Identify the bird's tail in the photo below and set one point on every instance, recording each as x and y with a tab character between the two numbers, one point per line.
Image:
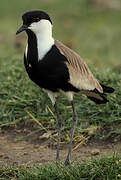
97	97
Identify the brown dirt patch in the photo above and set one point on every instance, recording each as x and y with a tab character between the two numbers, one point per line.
35	151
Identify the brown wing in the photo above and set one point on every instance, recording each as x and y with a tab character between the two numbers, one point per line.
80	75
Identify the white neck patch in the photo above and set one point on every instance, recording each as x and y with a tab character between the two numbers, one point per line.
43	32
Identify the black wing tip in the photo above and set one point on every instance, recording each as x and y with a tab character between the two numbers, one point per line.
107	89
102	99
99	100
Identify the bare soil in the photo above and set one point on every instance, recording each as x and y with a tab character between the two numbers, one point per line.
32	150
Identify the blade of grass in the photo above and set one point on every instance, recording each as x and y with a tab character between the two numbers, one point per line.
80	144
36	120
51	112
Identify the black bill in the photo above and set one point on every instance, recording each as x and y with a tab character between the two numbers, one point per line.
22	28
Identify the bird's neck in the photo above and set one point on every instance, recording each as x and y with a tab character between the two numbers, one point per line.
44	43
40	42
31	52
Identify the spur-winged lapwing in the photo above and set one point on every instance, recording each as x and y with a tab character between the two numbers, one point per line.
56	68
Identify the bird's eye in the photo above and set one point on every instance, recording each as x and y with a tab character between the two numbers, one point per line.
36	19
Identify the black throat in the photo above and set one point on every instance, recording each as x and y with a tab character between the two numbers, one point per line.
32	54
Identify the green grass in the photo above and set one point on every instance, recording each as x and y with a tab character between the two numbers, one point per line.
93	33
19	93
104	168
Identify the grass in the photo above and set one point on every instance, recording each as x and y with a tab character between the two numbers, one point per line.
15	98
104	168
100	35
95	34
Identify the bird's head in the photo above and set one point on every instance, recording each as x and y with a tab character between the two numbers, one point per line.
36	21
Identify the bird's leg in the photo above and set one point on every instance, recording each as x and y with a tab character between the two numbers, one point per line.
75	117
59	130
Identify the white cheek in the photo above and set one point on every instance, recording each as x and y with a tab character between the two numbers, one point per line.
40	27
34	27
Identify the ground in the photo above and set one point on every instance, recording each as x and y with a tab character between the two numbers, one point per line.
33	150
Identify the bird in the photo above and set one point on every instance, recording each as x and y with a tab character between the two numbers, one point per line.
56	68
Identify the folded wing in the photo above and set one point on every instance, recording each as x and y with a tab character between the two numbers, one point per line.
80	75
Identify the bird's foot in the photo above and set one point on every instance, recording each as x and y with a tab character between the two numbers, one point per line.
67	162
